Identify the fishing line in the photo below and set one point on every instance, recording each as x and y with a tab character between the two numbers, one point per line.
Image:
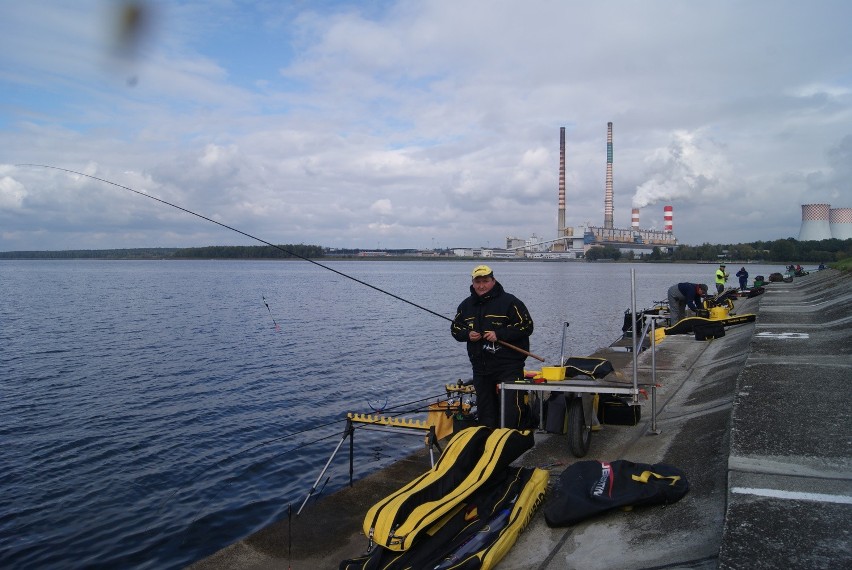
232	478
227	481
294	449
221	462
294	254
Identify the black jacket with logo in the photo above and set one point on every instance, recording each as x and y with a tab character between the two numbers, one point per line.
496	311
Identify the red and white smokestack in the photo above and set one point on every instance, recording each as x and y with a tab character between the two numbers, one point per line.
635	219
667	219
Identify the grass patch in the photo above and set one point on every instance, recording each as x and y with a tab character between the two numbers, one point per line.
843	264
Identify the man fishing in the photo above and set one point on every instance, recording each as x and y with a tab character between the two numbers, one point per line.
488	320
742	275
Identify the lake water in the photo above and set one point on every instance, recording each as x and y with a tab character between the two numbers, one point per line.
152	414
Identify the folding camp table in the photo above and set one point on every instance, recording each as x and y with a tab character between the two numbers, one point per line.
579	390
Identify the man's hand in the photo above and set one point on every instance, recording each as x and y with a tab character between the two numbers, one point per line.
490	336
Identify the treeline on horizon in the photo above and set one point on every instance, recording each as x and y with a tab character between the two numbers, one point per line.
209	252
783	250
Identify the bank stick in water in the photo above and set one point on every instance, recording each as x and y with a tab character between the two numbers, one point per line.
277	327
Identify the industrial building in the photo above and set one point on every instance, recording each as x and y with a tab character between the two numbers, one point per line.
819	222
572	245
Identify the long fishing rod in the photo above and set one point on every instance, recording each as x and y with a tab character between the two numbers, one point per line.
233	229
263	241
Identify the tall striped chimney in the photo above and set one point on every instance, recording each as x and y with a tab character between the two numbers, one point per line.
668	215
560	230
634	222
815	224
608	196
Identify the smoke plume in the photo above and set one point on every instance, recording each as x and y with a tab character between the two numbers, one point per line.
690	166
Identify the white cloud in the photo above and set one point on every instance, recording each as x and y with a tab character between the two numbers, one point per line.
336	124
382	207
12	193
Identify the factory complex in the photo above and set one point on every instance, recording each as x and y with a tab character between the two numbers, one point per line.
573	243
819	222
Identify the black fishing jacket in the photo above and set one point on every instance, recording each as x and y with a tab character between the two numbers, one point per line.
496	311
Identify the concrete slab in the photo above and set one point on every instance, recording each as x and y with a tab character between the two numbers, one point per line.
790	466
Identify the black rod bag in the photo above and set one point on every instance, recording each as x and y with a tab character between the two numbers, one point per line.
589	488
587	366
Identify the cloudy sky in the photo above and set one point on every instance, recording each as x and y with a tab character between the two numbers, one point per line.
417	123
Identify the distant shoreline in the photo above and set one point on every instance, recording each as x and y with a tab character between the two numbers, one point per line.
302	252
385	258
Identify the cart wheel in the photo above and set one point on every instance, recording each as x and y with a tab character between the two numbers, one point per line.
579	432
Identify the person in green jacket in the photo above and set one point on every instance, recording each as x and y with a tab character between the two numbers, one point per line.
721	278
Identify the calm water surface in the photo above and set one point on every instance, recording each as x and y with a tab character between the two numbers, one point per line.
152	414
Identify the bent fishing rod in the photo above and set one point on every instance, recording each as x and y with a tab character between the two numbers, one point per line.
263	241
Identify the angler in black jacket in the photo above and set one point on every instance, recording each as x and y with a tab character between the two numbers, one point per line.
487	316
683	295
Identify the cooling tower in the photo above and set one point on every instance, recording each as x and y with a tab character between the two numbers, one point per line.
668	215
608	208
815	224
840	223
634	222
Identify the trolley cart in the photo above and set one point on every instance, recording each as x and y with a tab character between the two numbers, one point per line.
579	394
579	391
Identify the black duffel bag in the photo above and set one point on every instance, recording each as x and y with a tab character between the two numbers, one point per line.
589	488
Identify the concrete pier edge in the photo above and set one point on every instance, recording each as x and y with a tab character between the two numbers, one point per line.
759	420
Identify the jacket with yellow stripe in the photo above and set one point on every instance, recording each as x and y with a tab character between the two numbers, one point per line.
496	311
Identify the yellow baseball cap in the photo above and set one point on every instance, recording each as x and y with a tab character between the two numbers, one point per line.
481	271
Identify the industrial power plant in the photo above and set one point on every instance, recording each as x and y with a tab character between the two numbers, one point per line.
819	222
571	244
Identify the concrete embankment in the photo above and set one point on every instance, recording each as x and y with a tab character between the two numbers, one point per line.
790	462
757	419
